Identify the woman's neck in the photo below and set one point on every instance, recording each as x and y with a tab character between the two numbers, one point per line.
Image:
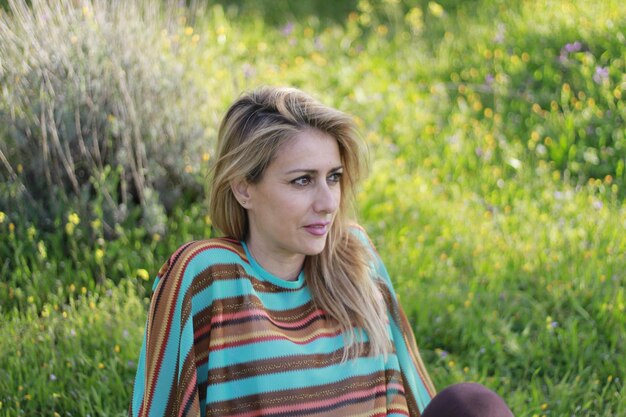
283	267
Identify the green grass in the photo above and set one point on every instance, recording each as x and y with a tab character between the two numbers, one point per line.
496	199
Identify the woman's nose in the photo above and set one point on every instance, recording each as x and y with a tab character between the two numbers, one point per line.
327	198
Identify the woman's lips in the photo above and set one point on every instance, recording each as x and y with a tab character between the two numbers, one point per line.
317	229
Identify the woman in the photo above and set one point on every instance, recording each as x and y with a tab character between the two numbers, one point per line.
292	313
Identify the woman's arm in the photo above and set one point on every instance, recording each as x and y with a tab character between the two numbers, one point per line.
166	380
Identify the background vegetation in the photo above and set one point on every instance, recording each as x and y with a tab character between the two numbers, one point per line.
496	194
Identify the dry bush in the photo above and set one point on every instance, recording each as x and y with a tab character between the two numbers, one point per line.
95	100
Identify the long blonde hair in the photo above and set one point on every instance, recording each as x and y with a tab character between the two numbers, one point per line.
250	135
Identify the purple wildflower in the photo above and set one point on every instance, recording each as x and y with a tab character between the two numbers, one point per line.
489	79
443	354
569	48
499	37
248	70
53	377
573	47
601	74
287	29
554	324
317	42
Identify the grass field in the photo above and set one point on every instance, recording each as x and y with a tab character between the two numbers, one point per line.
495	196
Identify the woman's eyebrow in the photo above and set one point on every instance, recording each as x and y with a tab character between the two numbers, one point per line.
312	171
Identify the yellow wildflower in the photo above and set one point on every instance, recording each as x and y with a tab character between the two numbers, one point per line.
95	224
143	274
435	9
73	218
2	217
41	248
99	254
415	19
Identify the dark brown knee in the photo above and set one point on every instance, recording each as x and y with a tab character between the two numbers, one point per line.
467	400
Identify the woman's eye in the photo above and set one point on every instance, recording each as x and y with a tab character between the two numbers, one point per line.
302	181
335	177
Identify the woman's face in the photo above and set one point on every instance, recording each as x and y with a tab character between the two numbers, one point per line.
291	209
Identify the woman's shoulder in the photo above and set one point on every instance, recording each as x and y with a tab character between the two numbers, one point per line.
215	246
364	239
377	266
202	254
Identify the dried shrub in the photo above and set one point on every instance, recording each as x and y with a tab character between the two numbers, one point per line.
95	84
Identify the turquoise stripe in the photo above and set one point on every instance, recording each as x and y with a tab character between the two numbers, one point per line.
281	301
242	287
186	343
411	376
140	377
305	378
168	365
215	256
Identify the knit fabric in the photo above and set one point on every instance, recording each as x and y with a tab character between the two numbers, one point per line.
226	338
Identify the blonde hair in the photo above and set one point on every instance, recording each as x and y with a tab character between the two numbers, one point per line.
250	135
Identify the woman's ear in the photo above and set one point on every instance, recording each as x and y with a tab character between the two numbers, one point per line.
241	191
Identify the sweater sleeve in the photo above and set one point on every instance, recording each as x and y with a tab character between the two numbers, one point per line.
418	386
166	380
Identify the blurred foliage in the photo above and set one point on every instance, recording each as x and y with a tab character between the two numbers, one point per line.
280	12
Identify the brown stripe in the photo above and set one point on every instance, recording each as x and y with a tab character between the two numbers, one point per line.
250	302
297	396
273	365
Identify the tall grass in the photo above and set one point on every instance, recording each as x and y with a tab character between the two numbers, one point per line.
495	197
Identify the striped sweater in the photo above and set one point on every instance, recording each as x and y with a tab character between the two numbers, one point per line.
225	338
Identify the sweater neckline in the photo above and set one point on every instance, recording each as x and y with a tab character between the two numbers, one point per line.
268	276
